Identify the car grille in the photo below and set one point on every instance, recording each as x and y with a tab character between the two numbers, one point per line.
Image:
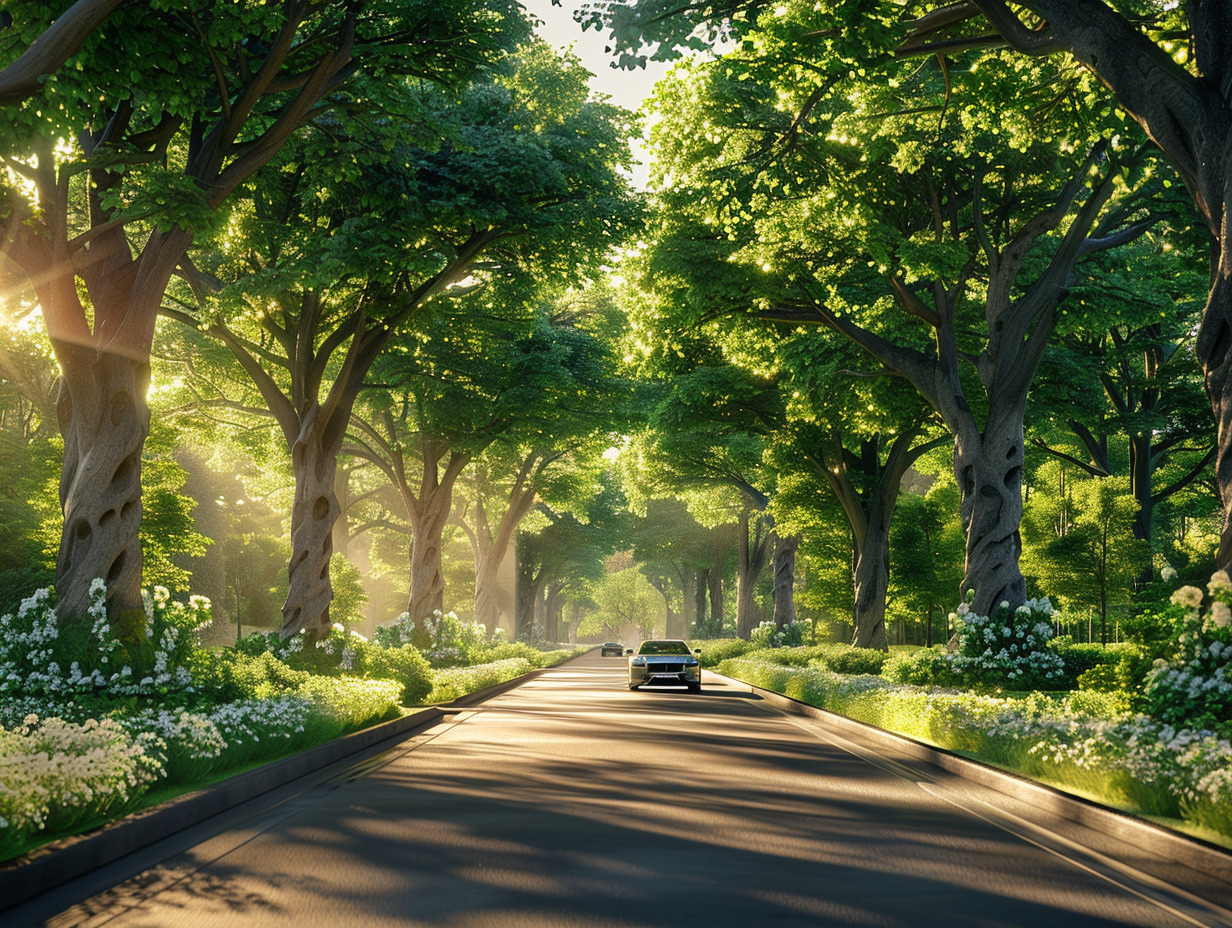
664	667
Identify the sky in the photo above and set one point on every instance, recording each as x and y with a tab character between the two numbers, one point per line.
626	88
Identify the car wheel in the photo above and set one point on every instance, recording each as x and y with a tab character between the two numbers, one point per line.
695	687
633	686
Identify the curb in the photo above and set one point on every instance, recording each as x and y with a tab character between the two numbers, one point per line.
1205	858
58	862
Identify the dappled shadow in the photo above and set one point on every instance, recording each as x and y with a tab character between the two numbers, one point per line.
571	801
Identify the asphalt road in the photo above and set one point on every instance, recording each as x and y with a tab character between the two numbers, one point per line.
571	801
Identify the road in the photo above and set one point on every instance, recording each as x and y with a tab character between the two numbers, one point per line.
571	801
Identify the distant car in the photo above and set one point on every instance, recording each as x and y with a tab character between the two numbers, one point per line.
665	662
613	648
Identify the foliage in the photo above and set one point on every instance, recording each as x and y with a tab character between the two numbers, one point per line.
231	674
769	635
1194	685
716	650
56	774
624	599
347	606
925	667
453	682
44	658
1008	648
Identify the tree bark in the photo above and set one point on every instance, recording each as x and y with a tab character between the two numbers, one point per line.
491	547
785	579
314	460
872	579
751	559
427	577
715	583
688	605
988	469
104	420
700	588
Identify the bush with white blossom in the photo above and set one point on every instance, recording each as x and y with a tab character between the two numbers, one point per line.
1008	648
45	657
769	635
1193	687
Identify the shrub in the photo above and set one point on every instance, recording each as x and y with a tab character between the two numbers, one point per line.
41	656
790	657
716	650
452	682
843	658
926	667
1192	687
56	774
769	635
229	674
1008	648
404	664
1086	740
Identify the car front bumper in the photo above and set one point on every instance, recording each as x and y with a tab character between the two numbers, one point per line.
665	675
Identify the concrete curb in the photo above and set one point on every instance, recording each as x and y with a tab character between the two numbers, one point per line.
1202	856
58	862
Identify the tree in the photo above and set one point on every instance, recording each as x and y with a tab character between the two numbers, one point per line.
1166	64
340	263
1119	394
908	236
1080	536
123	157
623	599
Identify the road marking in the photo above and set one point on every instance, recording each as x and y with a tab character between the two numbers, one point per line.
1158	892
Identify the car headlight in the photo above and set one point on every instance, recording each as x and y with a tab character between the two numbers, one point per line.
691	663
638	662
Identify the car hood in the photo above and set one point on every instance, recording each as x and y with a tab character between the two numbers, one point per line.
665	658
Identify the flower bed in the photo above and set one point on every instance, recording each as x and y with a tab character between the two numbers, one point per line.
1085	741
91	726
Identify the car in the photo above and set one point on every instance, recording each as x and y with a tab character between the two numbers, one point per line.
613	648
665	662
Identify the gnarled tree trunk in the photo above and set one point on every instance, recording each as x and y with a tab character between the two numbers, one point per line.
104	420
427	578
988	468
314	460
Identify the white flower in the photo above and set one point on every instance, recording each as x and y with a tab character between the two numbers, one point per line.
1219	581
1188	596
1221	615
963	609
1167	573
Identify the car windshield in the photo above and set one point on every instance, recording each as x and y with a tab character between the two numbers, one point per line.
664	647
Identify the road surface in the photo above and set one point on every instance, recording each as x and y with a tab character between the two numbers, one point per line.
571	801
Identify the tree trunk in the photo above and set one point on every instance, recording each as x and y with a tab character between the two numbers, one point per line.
427	577
751	560
785	580
988	469
700	587
529	588
872	578
487	611
104	420
312	524
539	616
715	583
688	600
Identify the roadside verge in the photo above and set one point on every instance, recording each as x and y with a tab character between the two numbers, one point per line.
1205	858
64	860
